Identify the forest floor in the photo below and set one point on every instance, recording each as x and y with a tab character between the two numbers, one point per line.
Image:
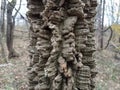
108	77
13	75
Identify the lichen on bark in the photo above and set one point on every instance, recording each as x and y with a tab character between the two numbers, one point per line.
62	44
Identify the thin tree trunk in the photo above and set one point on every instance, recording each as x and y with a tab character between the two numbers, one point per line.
2	29
3	8
2	49
118	14
62	44
10	29
102	29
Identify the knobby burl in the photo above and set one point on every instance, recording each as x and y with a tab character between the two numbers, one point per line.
61	44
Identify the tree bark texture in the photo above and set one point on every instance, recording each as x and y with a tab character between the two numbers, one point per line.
61	44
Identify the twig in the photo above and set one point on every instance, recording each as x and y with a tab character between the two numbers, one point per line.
114	45
5	65
109	28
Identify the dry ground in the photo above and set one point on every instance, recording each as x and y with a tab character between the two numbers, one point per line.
14	77
108	77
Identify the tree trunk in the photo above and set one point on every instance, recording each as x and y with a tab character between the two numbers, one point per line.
2	29
10	29
62	44
3	6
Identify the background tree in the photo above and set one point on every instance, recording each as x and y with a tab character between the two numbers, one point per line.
107	16
3	9
62	44
11	27
2	28
100	23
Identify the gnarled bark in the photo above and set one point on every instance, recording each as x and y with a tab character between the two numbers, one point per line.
62	44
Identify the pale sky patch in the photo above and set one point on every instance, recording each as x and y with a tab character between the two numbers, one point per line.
10	0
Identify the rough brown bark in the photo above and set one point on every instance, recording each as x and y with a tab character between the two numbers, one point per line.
62	44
